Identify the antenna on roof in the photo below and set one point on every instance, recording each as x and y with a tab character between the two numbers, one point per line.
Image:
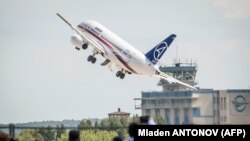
176	51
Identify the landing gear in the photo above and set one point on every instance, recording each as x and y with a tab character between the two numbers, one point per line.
120	74
77	48
91	59
85	46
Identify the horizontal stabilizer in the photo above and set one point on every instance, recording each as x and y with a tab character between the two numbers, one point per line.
171	80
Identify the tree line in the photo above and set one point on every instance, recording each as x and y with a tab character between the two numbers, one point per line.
102	130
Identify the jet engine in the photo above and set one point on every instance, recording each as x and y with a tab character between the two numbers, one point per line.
77	41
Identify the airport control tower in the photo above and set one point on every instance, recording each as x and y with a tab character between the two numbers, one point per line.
179	105
185	72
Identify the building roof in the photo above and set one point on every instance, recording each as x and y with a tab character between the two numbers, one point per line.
180	68
119	113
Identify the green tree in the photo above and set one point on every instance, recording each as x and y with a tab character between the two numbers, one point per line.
64	137
96	125
159	120
122	133
135	118
100	135
85	124
36	135
59	131
48	134
89	123
124	121
114	122
104	123
25	135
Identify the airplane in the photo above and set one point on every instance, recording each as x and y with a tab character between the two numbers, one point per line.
117	51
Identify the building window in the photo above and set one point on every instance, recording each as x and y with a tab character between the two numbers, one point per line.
153	102
167	116
148	112
176	116
162	101
167	101
181	101
196	112
221	103
225	107
157	112
143	102
186	116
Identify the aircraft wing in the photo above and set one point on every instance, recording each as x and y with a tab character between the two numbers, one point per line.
170	79
84	37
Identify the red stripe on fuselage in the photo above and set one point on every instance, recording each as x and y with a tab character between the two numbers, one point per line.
110	47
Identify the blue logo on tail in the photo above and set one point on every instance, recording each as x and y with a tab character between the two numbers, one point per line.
159	50
155	54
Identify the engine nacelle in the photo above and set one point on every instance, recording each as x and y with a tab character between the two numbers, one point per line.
76	40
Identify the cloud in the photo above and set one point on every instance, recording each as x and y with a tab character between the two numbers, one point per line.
234	9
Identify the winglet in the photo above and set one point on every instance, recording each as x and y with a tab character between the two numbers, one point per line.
84	37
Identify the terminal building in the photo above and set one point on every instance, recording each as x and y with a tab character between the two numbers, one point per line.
180	105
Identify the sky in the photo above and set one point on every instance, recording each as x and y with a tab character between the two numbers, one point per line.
42	76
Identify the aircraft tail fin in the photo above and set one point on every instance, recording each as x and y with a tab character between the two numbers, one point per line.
156	53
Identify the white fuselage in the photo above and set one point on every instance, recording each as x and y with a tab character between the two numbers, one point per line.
124	55
117	51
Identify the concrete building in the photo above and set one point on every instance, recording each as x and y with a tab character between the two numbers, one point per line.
178	105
